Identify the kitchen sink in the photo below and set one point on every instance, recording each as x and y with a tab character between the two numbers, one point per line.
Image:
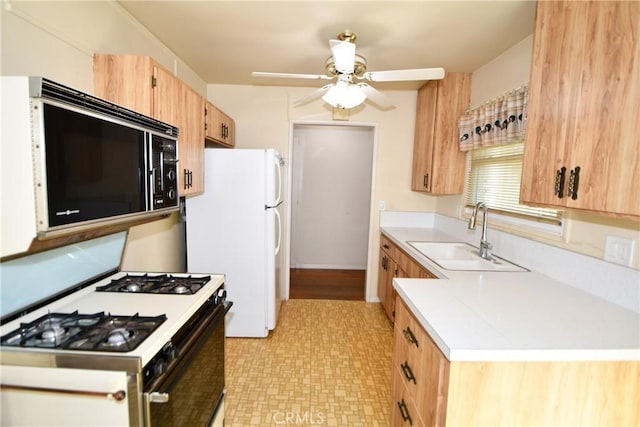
462	257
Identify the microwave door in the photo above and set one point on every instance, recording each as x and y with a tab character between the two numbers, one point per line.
93	167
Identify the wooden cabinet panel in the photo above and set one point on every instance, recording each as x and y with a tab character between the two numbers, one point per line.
142	85
219	127
420	367
395	263
403	410
584	106
126	80
438	163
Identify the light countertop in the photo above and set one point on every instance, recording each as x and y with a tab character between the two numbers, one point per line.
512	316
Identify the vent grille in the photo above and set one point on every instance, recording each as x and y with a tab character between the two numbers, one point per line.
51	90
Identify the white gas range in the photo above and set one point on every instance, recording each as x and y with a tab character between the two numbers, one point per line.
131	349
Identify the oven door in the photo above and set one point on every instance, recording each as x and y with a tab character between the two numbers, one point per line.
193	388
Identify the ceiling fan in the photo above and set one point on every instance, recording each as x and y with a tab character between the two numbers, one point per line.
350	71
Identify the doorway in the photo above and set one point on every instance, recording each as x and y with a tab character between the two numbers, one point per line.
330	210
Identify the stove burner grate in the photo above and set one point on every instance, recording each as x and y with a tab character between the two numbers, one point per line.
91	332
158	284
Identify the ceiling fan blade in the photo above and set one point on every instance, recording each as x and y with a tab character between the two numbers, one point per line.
404	75
291	76
376	96
344	55
313	95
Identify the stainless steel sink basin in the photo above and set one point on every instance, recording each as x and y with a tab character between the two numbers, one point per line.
462	257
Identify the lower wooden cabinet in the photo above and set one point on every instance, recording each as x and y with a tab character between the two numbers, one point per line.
395	263
420	373
429	390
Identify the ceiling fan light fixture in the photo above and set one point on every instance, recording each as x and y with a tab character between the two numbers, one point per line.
344	95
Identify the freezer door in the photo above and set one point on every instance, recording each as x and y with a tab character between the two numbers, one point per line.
230	231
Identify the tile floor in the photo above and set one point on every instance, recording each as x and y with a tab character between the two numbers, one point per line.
327	363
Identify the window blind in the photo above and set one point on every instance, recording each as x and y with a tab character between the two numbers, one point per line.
493	177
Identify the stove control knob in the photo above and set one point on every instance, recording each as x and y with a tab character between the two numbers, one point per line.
220	297
160	367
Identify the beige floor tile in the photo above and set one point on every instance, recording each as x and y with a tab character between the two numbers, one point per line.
327	363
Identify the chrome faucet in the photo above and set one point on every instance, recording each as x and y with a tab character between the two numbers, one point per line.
485	246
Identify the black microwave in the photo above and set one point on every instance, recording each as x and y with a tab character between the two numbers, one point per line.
96	162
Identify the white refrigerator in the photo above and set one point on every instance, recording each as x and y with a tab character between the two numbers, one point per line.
235	228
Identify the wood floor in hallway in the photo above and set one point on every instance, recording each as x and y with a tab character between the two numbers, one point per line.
326	363
309	283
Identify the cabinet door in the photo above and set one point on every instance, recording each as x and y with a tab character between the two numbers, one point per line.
584	107
177	104
383	277
438	163
219	127
424	137
192	135
126	80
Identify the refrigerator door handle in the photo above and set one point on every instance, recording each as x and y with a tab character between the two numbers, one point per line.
279	164
279	231
273	206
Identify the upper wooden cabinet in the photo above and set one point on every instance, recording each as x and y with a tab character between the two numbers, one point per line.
438	163
582	147
219	127
141	84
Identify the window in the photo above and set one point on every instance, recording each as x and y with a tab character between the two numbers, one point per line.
493	177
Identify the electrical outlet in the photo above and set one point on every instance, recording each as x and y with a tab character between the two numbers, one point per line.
619	250
382	205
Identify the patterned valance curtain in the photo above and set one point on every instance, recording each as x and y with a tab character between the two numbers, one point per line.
498	122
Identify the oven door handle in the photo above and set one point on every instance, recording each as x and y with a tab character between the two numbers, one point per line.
157	397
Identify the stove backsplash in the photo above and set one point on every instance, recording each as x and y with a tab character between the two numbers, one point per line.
29	280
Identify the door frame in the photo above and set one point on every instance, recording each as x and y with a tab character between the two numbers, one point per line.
370	294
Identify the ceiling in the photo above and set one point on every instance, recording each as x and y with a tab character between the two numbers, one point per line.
224	41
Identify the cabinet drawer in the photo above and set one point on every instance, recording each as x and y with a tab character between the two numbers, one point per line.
388	246
409	351
403	410
420	366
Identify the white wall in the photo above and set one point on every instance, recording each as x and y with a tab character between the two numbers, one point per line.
583	233
57	40
331	196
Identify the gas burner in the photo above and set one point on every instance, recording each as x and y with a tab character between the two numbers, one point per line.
94	332
119	336
160	284
180	289
133	287
51	330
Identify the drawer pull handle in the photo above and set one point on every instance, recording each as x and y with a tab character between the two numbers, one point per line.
410	337
560	176
385	246
408	373
404	411
574	180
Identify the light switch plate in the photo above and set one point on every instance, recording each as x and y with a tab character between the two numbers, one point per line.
619	250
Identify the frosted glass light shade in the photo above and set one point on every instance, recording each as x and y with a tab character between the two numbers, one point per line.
344	95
